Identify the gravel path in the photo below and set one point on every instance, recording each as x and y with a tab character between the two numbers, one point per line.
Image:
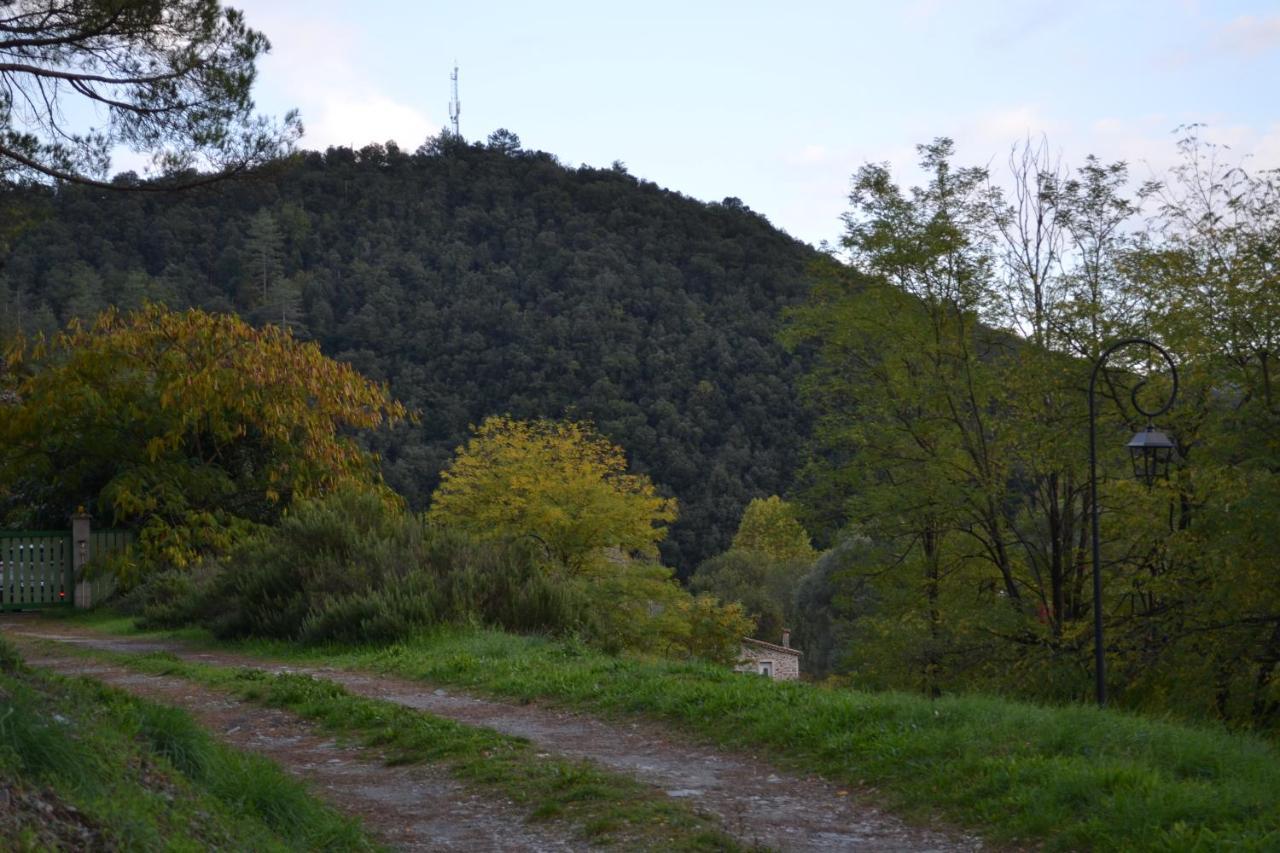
756	802
418	808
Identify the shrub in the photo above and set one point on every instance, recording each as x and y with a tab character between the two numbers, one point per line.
716	630
170	598
501	583
323	550
373	615
640	607
763	584
351	569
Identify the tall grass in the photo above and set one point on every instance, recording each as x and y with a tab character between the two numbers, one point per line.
1065	777
147	776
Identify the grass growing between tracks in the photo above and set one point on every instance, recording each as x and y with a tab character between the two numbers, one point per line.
88	767
605	808
1066	778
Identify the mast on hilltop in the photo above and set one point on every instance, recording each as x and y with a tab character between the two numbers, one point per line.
455	106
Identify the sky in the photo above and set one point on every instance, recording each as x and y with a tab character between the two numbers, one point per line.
775	103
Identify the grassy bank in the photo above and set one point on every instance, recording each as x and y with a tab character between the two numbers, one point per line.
85	766
1069	777
604	808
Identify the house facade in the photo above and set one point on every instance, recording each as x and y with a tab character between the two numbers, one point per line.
781	663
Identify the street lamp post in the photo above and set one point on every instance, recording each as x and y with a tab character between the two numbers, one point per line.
1152	452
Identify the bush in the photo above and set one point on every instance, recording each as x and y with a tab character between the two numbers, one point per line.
351	569
322	551
716	630
372	615
170	598
640	607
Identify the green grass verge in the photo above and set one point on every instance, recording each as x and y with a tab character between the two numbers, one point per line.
1069	778
85	766
603	807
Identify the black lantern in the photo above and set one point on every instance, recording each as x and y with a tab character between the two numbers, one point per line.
1152	452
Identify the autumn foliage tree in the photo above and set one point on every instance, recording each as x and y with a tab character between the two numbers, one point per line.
191	427
770	526
565	486
559	482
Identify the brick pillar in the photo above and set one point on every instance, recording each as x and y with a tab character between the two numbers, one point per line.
80	556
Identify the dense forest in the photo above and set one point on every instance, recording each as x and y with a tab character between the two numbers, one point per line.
475	279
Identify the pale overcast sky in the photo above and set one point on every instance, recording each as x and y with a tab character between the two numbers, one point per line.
777	103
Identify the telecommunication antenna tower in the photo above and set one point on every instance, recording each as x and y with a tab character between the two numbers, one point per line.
455	106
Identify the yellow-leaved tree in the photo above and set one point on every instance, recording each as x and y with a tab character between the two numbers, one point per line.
566	486
769	526
559	482
189	426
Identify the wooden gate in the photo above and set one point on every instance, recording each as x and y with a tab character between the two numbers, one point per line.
36	569
102	543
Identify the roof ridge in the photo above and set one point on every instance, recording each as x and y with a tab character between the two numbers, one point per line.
770	645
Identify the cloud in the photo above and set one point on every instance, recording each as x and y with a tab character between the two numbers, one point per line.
1249	36
315	67
921	11
809	155
346	119
1003	127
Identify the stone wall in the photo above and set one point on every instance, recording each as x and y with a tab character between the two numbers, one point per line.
781	664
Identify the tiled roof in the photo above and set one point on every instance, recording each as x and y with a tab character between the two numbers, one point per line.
773	647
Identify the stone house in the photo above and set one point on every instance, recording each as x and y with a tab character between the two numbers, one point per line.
781	663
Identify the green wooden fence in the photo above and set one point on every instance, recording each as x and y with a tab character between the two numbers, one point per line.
101	544
36	569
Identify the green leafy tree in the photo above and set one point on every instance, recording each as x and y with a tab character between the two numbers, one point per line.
640	607
909	366
284	306
834	598
770	554
192	427
764	586
559	482
505	141
948	379
950	437
1207	283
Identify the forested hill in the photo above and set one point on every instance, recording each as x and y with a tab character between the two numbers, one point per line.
476	279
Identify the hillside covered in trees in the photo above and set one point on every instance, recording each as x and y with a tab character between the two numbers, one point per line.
476	280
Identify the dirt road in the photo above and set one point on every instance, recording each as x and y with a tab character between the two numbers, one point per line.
755	802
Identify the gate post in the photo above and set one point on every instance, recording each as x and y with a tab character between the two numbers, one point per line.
79	556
